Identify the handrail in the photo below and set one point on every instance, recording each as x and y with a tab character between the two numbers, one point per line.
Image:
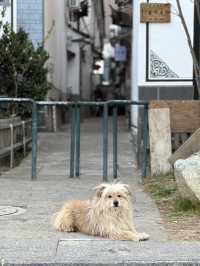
13	146
75	130
17	124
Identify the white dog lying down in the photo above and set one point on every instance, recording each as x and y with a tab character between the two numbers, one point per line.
109	214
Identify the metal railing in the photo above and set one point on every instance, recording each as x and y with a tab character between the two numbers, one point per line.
75	132
15	136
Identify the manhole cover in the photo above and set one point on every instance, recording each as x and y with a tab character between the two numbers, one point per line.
11	210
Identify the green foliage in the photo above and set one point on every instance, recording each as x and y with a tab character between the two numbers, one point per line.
185	205
165	192
162	186
23	70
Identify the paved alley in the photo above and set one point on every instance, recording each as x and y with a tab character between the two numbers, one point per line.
29	238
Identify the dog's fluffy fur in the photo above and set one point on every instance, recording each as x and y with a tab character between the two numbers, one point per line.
109	214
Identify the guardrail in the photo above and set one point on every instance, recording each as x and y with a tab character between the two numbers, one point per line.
75	132
33	106
15	136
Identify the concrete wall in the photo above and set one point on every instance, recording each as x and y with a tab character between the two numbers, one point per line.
86	73
79	67
55	44
73	63
30	18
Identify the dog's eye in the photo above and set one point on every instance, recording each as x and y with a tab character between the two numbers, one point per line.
109	196
119	196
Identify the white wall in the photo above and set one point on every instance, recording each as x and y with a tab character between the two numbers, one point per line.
169	43
73	73
80	65
8	15
56	43
86	73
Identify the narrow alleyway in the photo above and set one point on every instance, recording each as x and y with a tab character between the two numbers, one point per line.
29	236
54	154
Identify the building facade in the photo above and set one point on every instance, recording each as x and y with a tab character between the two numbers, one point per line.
10	15
72	35
162	62
30	17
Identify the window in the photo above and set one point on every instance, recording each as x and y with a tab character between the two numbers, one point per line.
4	2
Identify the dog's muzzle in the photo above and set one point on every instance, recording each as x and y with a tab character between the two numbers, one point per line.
115	204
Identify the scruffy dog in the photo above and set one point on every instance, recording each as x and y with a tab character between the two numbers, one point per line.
109	214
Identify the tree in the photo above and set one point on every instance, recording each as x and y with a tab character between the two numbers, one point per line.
23	70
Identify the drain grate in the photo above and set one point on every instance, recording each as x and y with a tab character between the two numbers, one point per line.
11	210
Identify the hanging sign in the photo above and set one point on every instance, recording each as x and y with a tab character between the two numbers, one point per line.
120	53
155	13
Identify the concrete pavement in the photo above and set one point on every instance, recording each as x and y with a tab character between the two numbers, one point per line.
29	239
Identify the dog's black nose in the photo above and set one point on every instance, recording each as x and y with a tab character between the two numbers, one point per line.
116	203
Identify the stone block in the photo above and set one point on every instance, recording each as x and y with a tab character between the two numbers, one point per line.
160	140
187	174
191	146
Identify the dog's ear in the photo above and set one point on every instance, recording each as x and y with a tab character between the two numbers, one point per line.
99	189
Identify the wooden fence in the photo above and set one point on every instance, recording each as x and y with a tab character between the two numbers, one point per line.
184	119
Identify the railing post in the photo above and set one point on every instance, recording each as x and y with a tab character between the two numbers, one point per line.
77	141
145	141
72	148
24	137
115	141
54	115
11	146
34	141
105	142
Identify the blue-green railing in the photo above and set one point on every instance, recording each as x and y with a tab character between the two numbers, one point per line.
75	132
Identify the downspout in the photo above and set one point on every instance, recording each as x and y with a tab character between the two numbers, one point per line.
134	74
12	15
134	65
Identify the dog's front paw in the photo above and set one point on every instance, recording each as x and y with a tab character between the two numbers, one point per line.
143	236
65	228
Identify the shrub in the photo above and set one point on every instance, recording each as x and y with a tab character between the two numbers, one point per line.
23	72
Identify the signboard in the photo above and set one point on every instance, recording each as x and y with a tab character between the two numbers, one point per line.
155	13
120	53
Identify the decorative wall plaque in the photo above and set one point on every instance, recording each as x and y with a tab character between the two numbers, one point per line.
159	69
155	13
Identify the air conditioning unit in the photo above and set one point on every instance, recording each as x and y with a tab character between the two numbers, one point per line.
4	3
74	4
123	2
